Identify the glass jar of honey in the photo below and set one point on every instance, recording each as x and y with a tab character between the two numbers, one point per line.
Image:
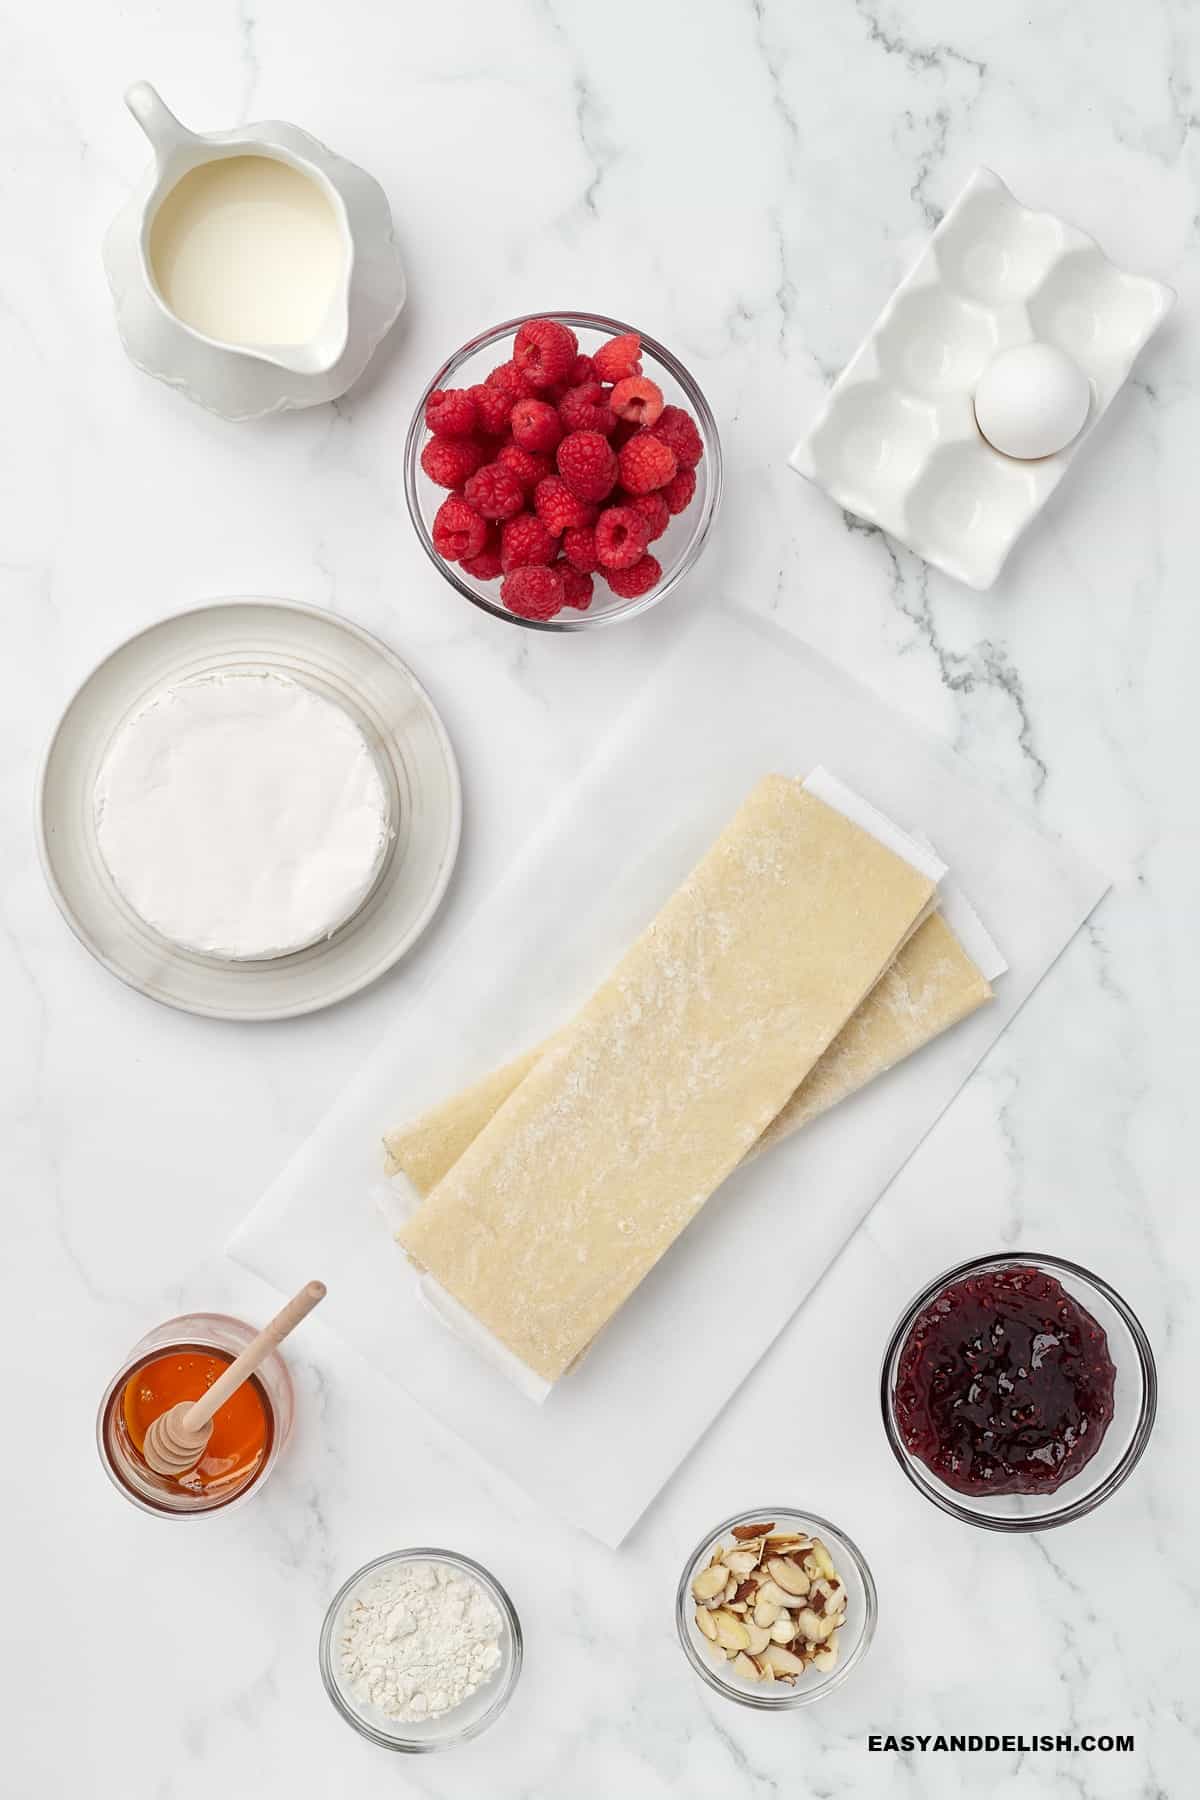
179	1361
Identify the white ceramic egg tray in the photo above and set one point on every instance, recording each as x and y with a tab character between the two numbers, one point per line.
896	442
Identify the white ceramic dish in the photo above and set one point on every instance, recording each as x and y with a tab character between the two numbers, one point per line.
896	442
346	665
238	382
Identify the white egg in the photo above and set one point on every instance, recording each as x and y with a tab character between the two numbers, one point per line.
1032	401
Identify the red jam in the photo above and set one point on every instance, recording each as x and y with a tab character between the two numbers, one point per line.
1004	1385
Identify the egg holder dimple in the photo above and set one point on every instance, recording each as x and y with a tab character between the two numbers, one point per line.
896	442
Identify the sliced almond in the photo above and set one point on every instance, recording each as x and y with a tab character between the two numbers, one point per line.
765	1613
788	1575
783	1630
737	1606
759	1638
822	1559
731	1633
765	1669
782	1661
742	1532
784	1543
706	1623
742	1562
731	1585
774	1595
824	1659
816	1629
743	1666
710	1582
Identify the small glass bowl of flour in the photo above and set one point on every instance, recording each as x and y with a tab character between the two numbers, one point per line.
420	1649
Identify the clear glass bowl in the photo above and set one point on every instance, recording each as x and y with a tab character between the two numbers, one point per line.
854	1639
681	543
483	1707
1135	1398
157	1493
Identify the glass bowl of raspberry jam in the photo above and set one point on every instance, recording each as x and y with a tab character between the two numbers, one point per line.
679	546
1018	1392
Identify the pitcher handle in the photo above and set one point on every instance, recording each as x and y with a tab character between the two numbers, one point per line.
156	119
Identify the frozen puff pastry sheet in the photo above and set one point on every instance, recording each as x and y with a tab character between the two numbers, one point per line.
931	985
617	1135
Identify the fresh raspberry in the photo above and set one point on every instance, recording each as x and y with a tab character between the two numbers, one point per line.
579	548
544	351
621	356
655	511
577	587
509	379
533	593
582	369
450	412
458	530
637	399
588	466
679	491
621	537
630	583
536	425
449	461
525	541
485	566
559	509
528	468
586	408
492	407
646	463
678	429
495	492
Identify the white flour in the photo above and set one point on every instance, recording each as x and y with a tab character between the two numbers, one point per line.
418	1639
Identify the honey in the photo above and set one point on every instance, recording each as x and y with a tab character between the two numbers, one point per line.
241	1430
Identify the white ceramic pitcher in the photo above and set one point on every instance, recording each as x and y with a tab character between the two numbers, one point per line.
243	380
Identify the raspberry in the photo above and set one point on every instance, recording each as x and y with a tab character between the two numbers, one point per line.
450	412
646	463
621	537
559	509
536	425
492	406
655	510
621	356
577	587
524	541
679	490
630	583
528	468
586	408
508	378
449	461
458	530
637	399
495	492
588	466
579	548
485	566
544	351
582	369
679	430
533	593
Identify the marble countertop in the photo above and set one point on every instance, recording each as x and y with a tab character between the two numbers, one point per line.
747	180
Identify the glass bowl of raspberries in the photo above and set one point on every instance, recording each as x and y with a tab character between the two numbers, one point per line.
563	471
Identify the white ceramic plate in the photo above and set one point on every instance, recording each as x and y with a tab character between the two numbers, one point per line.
385	699
896	441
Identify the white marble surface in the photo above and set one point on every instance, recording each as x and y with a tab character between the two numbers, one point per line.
747	180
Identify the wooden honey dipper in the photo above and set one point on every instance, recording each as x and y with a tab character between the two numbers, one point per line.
178	1438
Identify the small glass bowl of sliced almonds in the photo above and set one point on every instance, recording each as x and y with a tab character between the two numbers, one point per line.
775	1608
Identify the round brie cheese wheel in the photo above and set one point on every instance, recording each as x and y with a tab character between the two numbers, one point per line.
242	815
1032	401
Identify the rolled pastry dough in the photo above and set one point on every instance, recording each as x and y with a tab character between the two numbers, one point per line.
931	985
618	1134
